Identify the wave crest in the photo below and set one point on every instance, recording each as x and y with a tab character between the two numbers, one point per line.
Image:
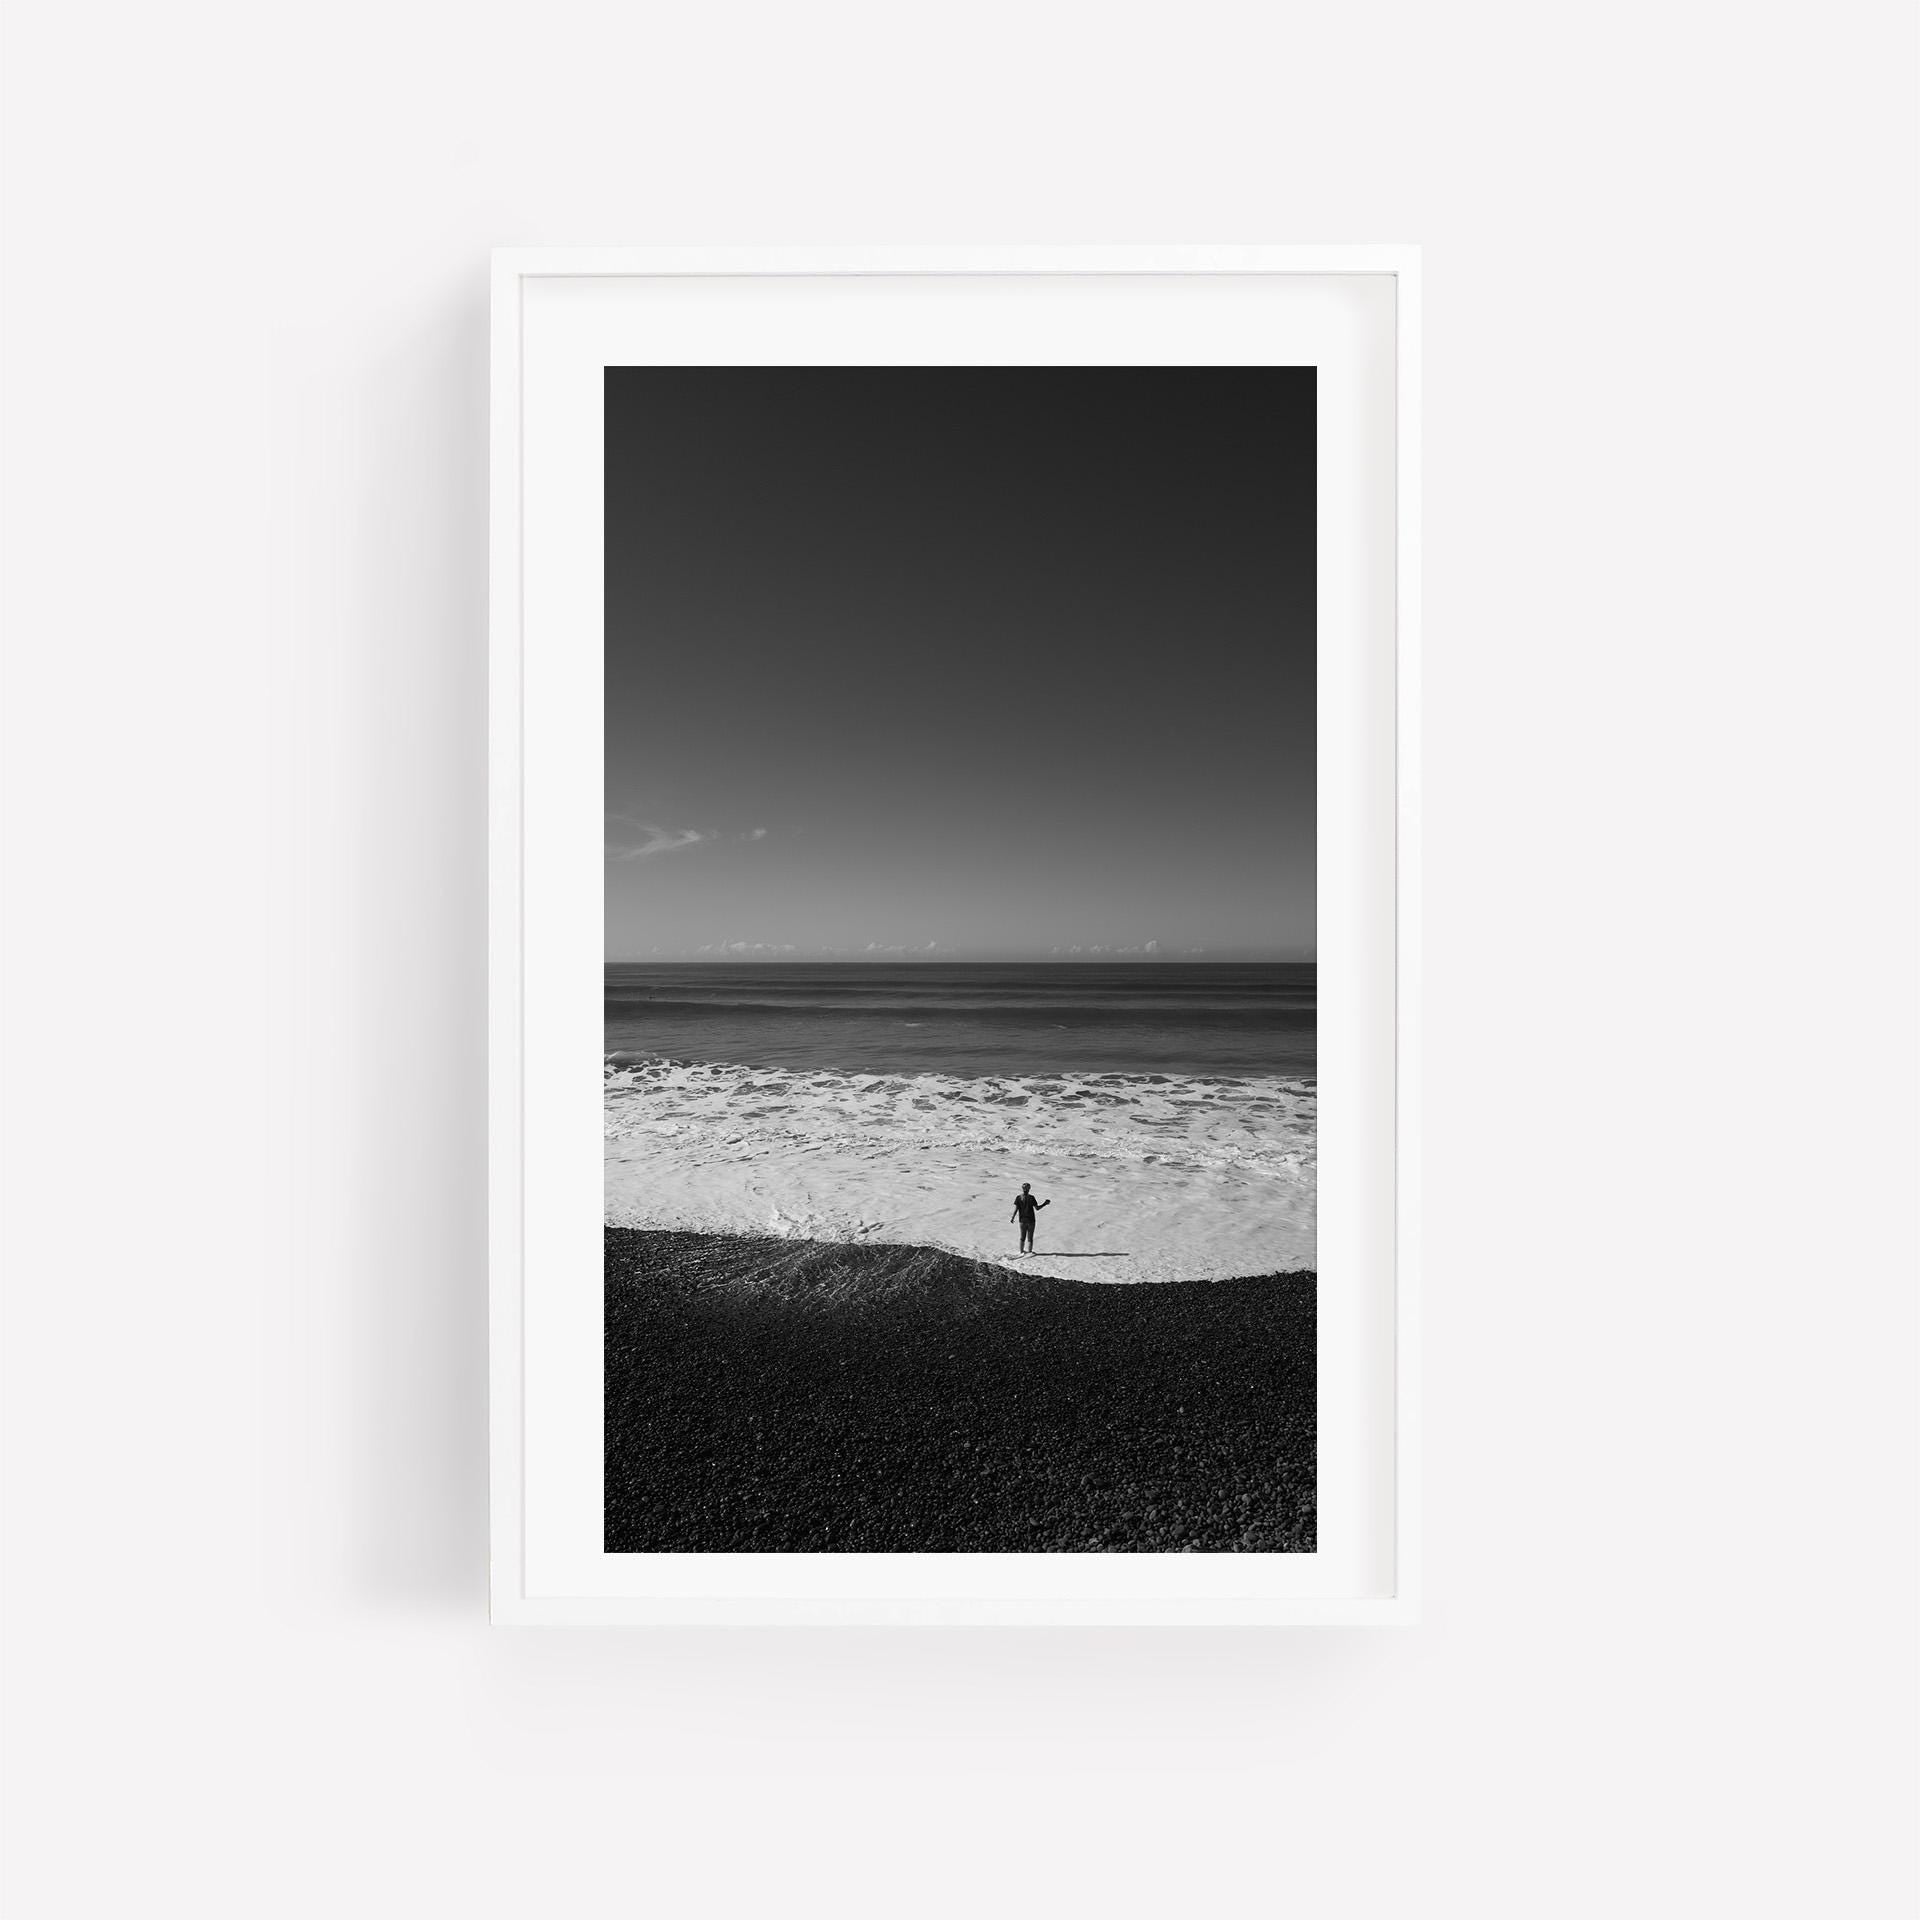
1259	1127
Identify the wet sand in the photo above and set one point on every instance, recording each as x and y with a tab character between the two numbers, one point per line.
773	1395
1152	1177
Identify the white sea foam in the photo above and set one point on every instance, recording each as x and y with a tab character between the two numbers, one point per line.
1151	1176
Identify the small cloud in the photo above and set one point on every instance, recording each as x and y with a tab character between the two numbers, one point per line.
629	838
641	839
1152	946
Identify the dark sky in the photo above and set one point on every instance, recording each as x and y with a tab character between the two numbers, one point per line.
988	661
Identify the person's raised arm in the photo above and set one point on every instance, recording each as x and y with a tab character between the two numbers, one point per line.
1046	1203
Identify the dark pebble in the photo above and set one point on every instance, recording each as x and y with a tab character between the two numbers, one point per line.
804	1397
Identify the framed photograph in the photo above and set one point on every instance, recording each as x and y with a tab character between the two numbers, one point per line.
953	946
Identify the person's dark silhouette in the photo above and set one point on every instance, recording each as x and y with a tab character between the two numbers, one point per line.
1026	1209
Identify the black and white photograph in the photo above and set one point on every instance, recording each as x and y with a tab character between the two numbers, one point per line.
960	959
958	963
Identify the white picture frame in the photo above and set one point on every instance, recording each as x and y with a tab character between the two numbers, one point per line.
542	685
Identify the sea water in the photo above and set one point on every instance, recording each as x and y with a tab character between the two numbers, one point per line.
1166	1111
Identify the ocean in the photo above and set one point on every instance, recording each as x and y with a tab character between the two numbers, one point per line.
1167	1110
970	1020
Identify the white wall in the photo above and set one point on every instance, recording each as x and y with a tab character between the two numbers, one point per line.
1667	1667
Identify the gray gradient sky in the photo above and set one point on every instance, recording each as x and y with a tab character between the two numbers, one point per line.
984	662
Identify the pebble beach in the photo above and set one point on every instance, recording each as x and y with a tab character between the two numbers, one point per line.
774	1395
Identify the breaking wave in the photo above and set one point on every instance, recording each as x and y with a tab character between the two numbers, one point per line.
1203	1122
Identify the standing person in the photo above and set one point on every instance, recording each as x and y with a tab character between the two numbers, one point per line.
1026	1209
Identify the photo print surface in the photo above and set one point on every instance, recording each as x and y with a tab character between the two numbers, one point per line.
960	960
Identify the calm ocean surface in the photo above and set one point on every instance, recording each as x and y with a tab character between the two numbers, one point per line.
970	1021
